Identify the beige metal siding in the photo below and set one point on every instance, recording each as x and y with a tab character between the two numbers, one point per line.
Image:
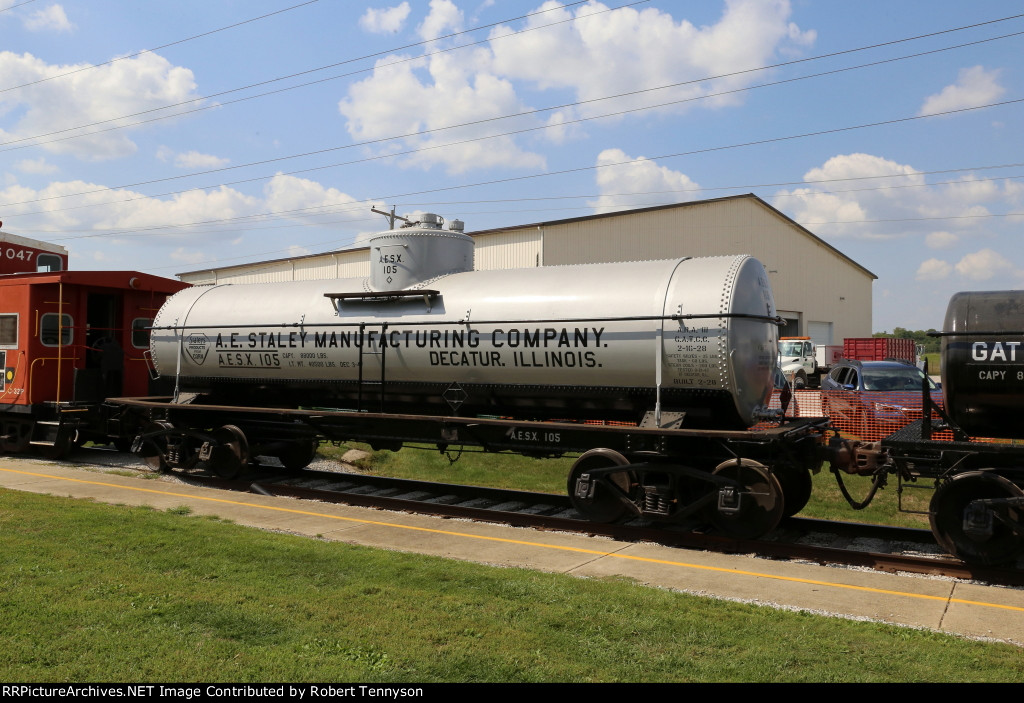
808	277
515	249
344	264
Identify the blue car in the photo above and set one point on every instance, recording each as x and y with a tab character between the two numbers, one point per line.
873	399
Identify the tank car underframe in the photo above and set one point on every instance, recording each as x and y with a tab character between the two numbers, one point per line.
977	509
743	481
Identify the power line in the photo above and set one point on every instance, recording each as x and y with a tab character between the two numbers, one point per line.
26	2
351	241
476	122
358	206
156	48
580	169
295	75
416	58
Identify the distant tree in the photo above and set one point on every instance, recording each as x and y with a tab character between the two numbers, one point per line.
931	344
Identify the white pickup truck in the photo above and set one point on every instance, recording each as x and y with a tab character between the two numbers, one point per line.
805	362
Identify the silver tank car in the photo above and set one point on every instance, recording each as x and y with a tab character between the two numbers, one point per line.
427	334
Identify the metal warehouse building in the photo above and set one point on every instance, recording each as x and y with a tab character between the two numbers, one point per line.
823	293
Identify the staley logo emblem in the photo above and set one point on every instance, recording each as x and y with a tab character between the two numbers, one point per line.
198	346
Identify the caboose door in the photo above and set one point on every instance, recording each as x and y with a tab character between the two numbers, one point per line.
104	368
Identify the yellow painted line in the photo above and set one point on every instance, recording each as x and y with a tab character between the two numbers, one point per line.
505	540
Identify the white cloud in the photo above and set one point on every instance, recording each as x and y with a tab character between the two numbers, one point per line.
287	193
559	130
627	49
974	86
644	176
50	18
125	209
933	270
190	159
941	240
38	166
983	265
101	93
452	95
444	18
384	21
595	56
885	207
193	159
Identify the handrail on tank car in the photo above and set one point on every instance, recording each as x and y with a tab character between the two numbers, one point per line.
632	318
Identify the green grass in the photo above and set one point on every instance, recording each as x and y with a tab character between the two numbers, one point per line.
472	468
828	503
113	593
549	475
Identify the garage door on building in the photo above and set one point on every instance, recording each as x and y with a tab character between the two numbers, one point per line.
820	332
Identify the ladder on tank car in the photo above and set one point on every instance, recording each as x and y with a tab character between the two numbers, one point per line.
338	299
381	351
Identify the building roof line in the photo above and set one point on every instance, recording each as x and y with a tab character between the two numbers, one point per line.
689	203
582	218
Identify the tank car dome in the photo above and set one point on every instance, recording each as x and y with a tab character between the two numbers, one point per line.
413	255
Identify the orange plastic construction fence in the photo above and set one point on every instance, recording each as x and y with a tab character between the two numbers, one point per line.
867	415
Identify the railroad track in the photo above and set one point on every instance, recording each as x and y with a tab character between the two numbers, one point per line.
879	547
890	549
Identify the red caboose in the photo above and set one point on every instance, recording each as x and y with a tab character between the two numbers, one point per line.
22	255
69	340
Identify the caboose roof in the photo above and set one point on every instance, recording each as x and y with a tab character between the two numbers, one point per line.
134	280
33	243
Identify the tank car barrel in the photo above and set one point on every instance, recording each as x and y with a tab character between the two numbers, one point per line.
555	320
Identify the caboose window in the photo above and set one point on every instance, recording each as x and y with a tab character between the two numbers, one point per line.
140	335
49	329
48	262
9	331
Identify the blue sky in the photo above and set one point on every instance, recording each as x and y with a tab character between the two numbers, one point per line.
171	159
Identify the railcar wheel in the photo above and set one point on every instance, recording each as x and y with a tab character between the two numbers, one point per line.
756	508
603	505
796	486
975	542
298	455
232	453
154	450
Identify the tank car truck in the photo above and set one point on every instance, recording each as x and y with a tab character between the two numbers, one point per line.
653	372
68	340
970	449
